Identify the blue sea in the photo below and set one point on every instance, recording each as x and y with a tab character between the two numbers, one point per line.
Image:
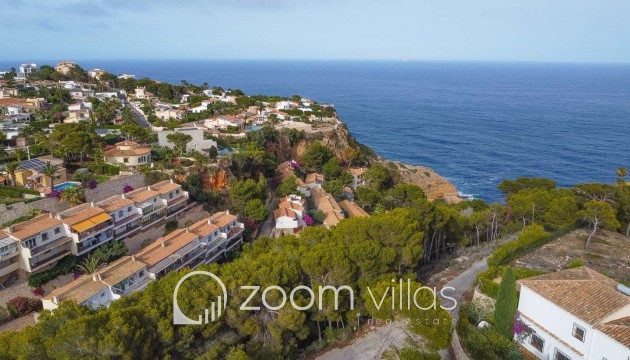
475	123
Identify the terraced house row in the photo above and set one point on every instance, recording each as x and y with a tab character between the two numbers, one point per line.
39	243
201	243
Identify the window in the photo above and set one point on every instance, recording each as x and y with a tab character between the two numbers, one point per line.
559	355
44	236
578	332
129	209
537	342
177	191
57	230
170	196
29	243
141	273
125	160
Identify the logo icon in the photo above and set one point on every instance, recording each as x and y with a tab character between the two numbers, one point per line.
216	307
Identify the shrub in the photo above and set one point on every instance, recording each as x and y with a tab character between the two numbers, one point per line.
38	292
488	286
127	188
486	343
111	251
5	316
507	301
169	227
531	237
64	266
20	306
576	263
92	184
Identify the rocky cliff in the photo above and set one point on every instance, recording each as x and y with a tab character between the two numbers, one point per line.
345	146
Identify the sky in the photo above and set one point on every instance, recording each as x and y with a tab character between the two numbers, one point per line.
487	30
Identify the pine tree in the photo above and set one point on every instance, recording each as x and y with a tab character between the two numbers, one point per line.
506	305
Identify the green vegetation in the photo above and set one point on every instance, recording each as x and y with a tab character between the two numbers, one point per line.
507	301
488	286
359	252
65	266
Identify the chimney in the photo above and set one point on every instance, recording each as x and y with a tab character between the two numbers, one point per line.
94	277
187	230
55	300
133	257
92	203
123	196
171	181
227	212
163	243
149	187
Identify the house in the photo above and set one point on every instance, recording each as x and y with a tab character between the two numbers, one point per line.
124	213
221	233
141	93
76	106
30	173
157	202
25	70
223	122
126	76
357	177
129	153
171	253
314	180
120	278
198	142
290	212
75	116
352	209
575	314
96	73
166	114
65	67
327	204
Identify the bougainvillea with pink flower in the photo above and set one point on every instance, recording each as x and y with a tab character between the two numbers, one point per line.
308	220
54	194
521	329
92	184
127	188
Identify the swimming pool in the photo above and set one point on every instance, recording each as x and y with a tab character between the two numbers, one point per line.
66	185
254	128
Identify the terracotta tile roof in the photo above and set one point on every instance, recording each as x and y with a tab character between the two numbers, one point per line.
165	246
357	171
353	209
126	143
13	101
327	204
284	212
34	226
78	290
314	177
141	195
222	218
583	292
79	213
120	270
133	152
290	205
203	228
114	203
618	330
165	186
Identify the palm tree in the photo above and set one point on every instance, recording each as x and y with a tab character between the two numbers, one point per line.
20	154
50	170
60	152
90	264
72	196
11	167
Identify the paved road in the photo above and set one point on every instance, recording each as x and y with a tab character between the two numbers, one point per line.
461	283
372	344
140	118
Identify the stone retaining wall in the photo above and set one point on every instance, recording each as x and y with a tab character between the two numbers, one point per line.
11	212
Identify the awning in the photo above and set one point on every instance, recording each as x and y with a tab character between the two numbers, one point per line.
34	176
91	222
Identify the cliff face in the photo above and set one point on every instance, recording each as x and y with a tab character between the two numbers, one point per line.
344	145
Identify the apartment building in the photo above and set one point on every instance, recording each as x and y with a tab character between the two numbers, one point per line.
38	244
120	278
201	243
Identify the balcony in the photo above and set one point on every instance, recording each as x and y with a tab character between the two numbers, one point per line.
50	245
126	220
96	229
39	263
97	241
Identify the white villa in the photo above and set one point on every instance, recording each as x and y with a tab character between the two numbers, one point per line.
575	314
290	212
